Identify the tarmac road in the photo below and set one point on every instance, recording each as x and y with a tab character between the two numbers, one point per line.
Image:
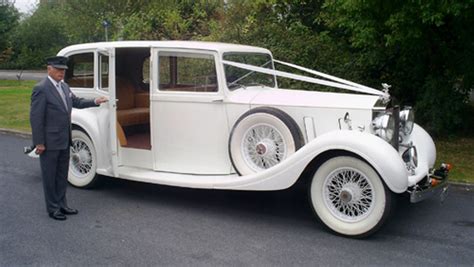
36	75
136	224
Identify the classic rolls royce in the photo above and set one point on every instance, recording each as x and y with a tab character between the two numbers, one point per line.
212	115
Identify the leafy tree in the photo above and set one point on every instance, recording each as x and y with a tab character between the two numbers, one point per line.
171	20
423	48
39	36
8	21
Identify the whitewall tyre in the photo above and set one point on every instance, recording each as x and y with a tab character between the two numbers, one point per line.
349	197
261	138
83	161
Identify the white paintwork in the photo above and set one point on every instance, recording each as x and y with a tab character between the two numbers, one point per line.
190	131
310	131
190	136
94	121
297	98
188	45
381	156
110	52
140	158
426	153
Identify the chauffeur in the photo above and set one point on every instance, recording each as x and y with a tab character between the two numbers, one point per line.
50	117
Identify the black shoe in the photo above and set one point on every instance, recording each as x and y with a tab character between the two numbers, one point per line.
69	211
58	215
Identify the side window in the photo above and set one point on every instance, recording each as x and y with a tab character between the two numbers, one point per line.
104	72
187	72
80	71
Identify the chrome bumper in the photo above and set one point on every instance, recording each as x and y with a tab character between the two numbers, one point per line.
436	184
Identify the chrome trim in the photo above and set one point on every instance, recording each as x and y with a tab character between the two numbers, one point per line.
419	194
410	157
407	121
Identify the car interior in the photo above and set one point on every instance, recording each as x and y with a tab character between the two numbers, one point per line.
182	72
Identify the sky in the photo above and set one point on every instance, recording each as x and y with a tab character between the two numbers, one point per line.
25	6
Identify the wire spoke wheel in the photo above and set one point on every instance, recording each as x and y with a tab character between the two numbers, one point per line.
81	158
349	197
82	161
349	194
263	147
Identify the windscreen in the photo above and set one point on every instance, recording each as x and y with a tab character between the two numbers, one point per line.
238	77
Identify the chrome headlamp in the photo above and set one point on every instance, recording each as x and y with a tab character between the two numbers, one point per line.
384	126
407	118
410	157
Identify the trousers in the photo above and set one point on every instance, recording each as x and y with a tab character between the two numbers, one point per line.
54	170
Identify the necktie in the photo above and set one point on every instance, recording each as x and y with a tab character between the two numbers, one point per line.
61	92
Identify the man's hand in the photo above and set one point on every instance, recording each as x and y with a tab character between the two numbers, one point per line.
40	149
101	100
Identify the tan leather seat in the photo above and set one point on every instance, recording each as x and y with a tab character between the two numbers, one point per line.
133	116
133	107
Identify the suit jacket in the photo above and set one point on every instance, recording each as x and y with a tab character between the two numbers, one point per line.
50	119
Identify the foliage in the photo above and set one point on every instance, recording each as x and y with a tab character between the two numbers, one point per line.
170	20
422	48
8	22
39	36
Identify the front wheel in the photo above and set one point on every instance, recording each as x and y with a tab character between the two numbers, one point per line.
83	161
349	197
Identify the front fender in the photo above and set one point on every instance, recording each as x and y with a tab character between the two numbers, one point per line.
426	153
378	153
93	122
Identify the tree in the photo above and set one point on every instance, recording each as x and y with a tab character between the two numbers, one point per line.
423	48
39	36
8	21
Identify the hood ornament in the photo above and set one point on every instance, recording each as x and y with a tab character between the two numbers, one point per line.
386	96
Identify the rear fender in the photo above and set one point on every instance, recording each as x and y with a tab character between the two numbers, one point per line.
93	121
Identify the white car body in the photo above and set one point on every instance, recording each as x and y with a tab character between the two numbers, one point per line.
189	131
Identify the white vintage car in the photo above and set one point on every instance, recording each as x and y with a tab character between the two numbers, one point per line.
211	115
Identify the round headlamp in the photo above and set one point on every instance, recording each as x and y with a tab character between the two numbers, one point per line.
407	120
384	126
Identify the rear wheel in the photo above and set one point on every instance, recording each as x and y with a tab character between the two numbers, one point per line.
349	197
83	161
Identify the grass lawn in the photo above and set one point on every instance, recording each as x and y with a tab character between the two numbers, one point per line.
460	153
15	104
15	107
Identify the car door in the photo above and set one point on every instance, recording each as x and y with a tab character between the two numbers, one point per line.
106	82
189	122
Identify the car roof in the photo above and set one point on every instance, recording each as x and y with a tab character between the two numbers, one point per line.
213	46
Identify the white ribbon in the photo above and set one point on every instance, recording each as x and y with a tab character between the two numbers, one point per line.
337	82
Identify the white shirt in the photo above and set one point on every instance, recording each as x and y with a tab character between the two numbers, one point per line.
59	89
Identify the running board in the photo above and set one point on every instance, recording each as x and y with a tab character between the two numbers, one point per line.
173	179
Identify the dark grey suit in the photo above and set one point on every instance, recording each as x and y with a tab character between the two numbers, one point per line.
51	126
